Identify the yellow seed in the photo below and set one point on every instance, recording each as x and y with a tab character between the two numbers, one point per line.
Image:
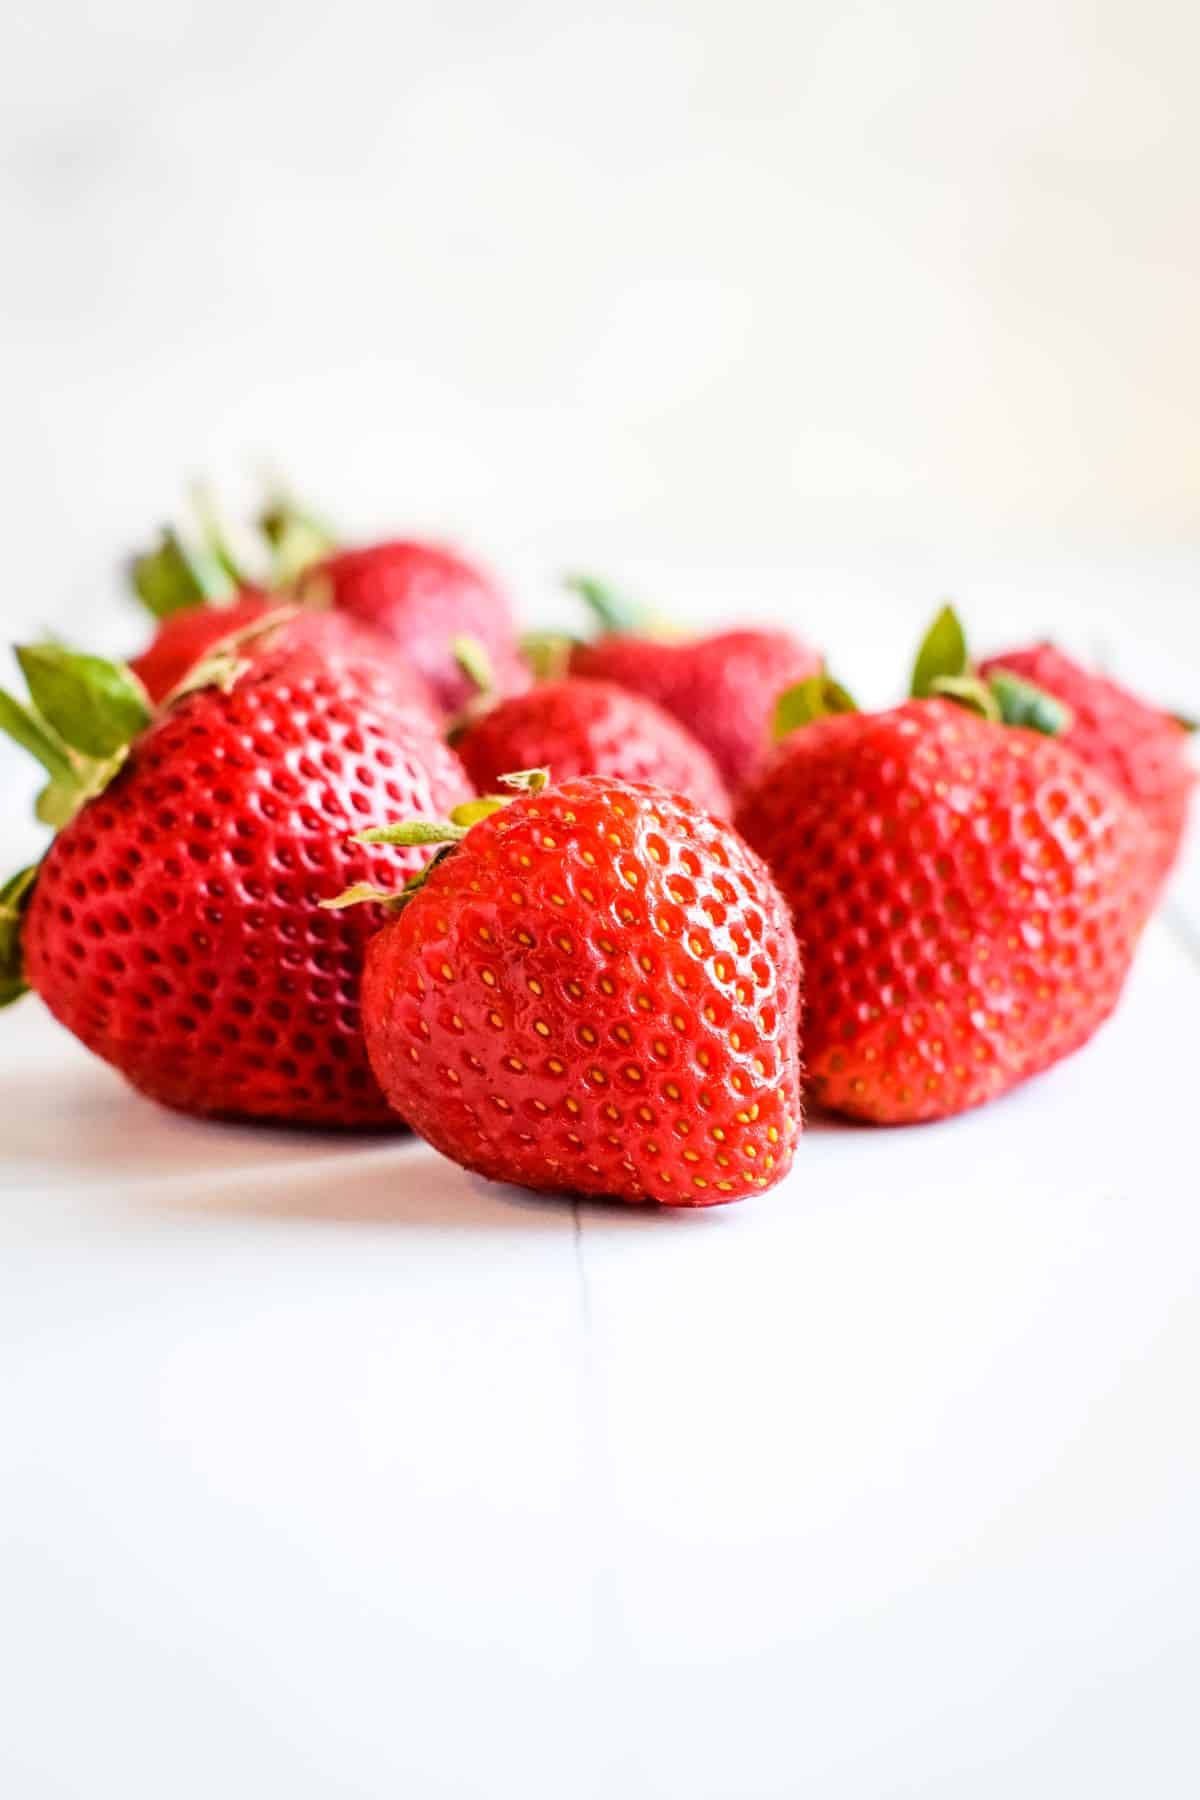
671	1091
447	972
699	1181
534	986
691	1156
485	934
759	1066
750	1150
622	1034
516	1065
555	1066
496	1019
607	985
598	1076
572	1106
456	1019
587	1034
773	1134
488	977
541	1027
549	843
633	1072
564	943
523	937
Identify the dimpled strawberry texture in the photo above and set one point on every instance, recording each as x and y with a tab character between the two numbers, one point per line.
174	927
591	728
967	899
1141	749
596	992
722	689
186	637
422	598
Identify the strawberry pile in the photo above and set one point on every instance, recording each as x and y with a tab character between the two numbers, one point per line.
337	848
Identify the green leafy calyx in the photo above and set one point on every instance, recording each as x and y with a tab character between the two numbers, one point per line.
176	575
447	833
614	612
942	655
14	897
817	697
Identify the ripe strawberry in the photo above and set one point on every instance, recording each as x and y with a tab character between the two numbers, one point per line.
422	599
590	728
967	896
722	688
173	924
596	991
185	638
1142	750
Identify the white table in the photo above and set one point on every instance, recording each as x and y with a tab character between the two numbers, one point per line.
325	1469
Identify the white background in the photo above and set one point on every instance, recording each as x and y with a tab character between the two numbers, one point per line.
324	1470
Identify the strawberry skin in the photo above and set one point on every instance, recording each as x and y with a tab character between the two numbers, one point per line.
722	688
174	927
590	728
967	897
184	638
422	597
596	992
1142	750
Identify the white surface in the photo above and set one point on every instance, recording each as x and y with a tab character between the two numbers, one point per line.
326	1469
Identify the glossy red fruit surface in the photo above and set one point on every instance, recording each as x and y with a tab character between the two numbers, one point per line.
590	728
596	992
1141	749
185	638
422	597
967	898
723	688
174	926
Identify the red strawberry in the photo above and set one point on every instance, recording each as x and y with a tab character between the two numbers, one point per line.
184	638
596	991
173	924
967	897
590	728
723	688
1142	750
422	599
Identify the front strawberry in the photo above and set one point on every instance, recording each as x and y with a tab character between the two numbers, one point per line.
173	925
596	990
968	895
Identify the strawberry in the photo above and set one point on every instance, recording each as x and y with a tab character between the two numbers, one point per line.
590	728
967	896
419	596
722	688
186	638
172	925
1141	749
200	598
595	990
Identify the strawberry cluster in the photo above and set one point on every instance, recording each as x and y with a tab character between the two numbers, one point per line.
339	848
